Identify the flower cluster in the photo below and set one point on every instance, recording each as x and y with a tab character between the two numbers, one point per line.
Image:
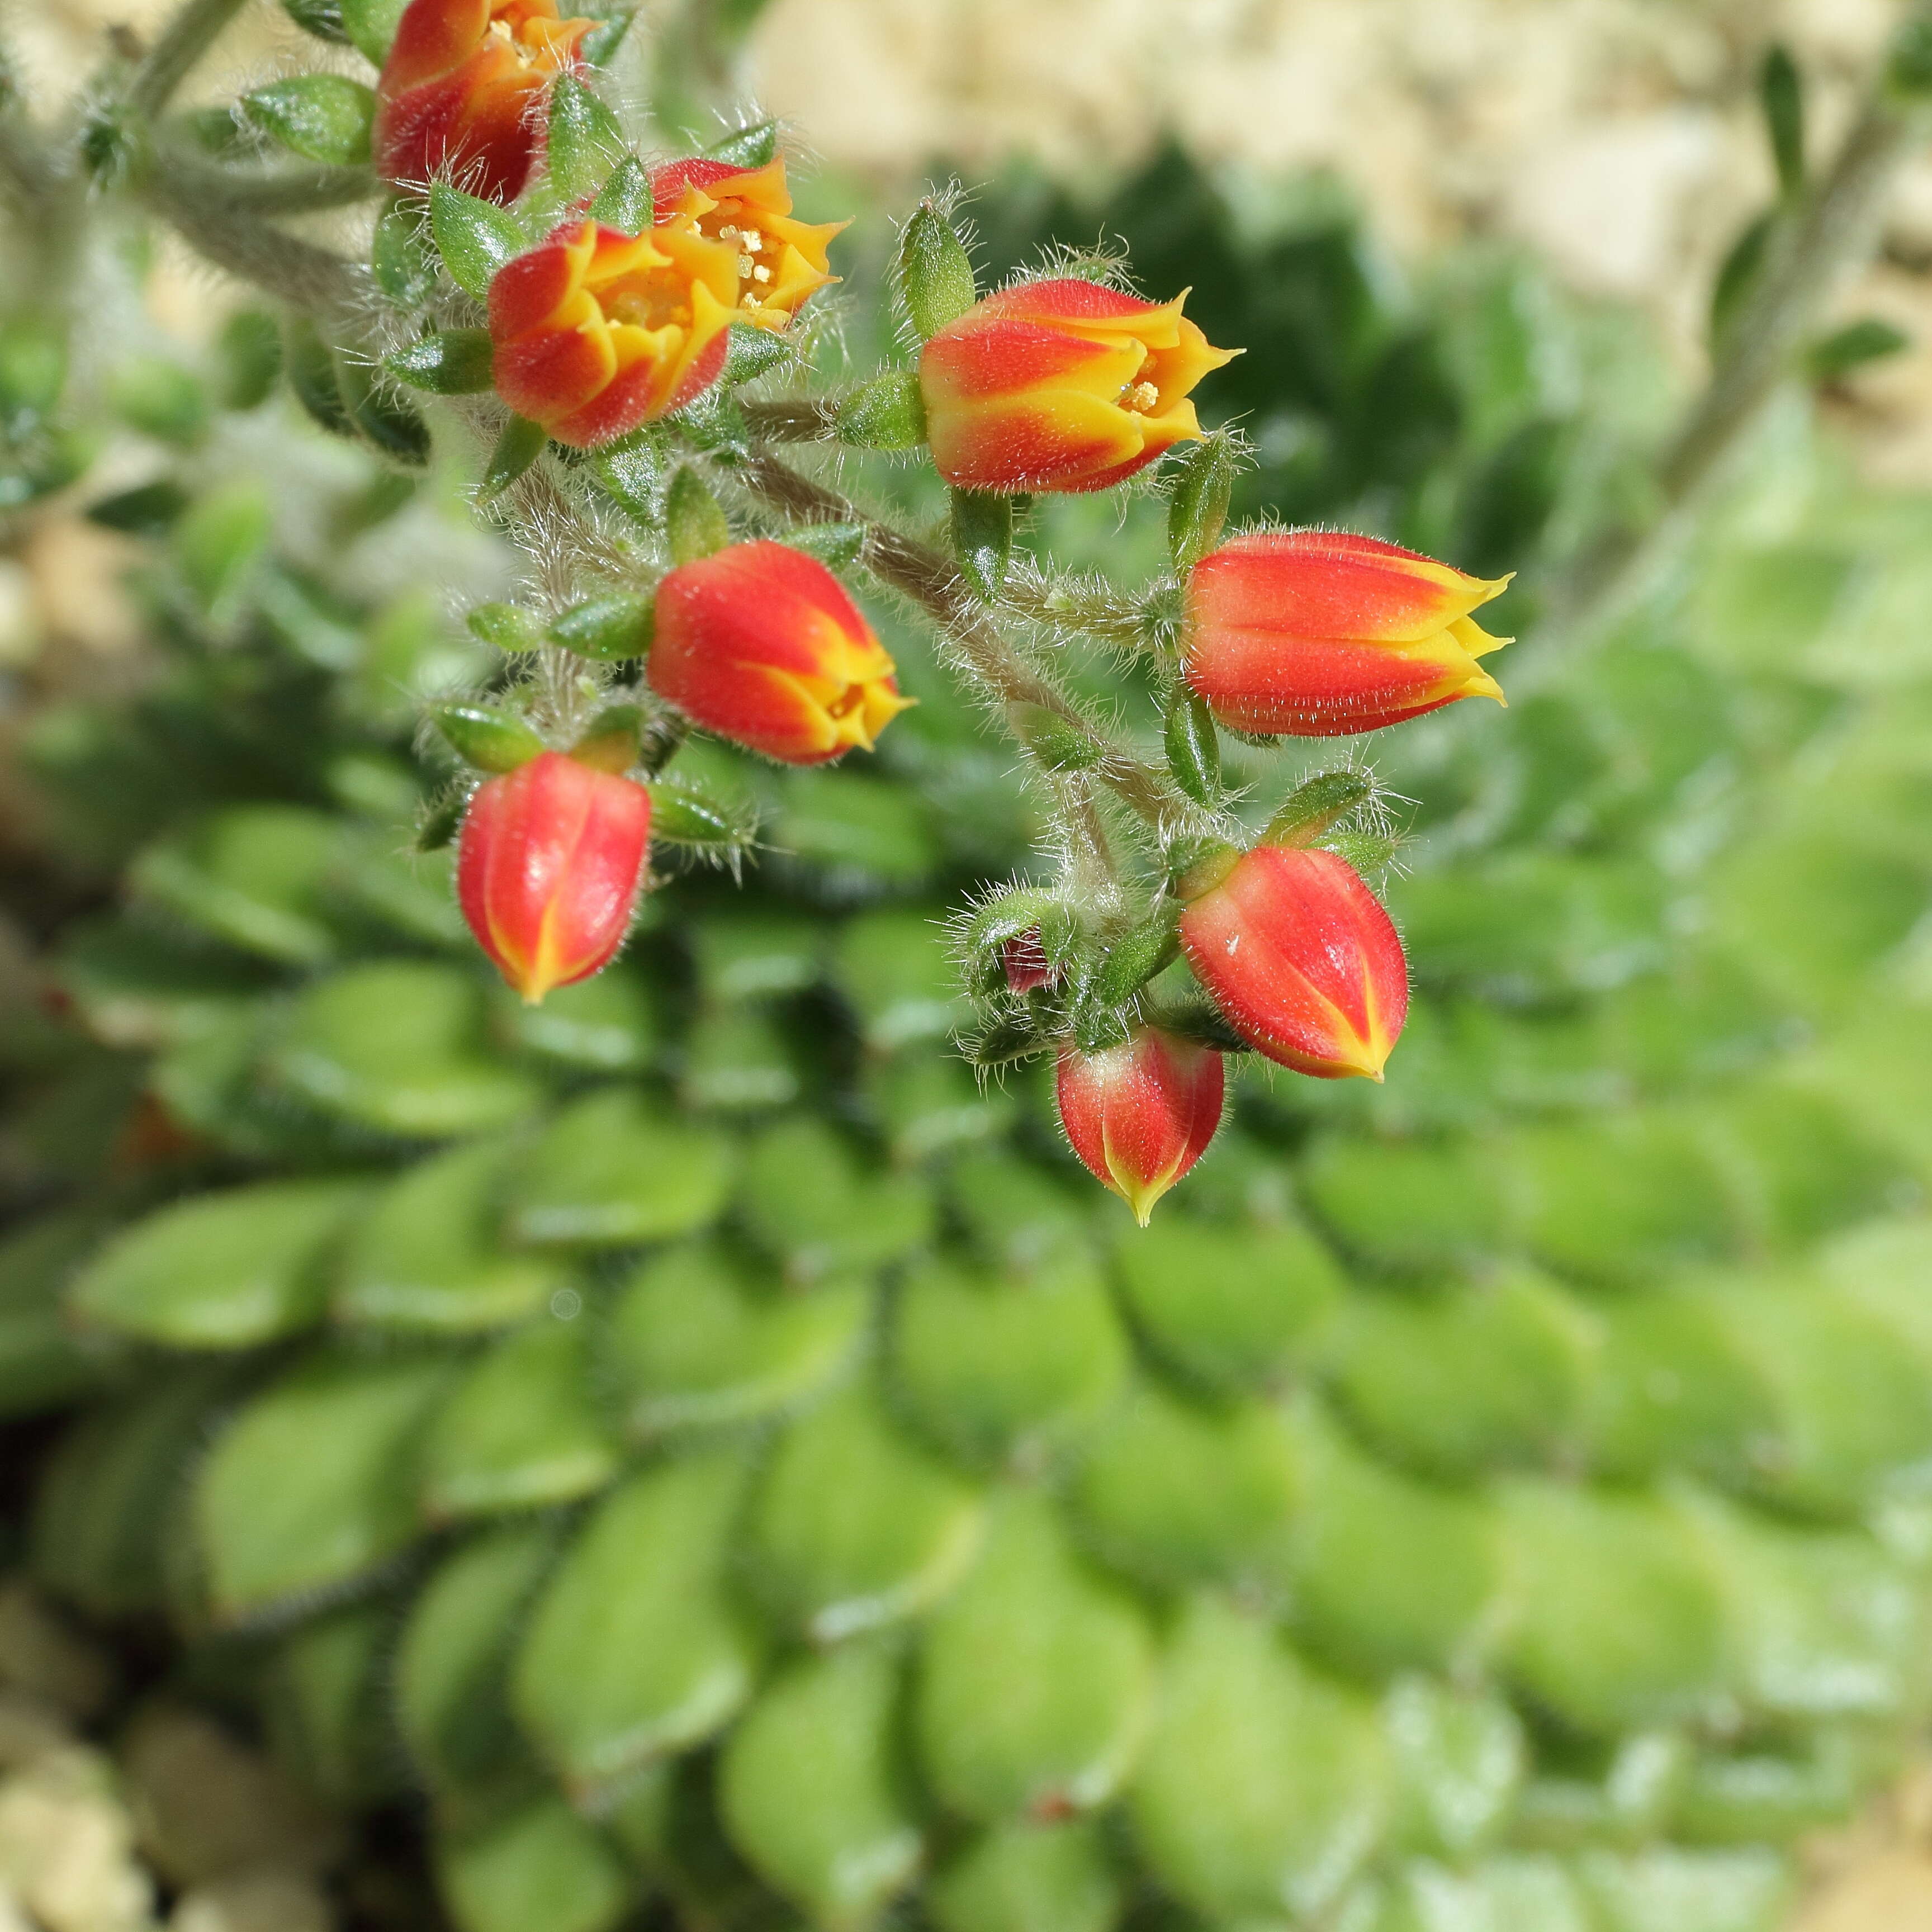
605	326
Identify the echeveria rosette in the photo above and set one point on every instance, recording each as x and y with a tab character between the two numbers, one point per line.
1141	1114
595	332
1318	633
1062	386
461	92
780	262
760	644
549	863
1300	958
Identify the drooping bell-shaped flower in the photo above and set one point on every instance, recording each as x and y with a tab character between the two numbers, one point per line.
1141	1114
549	863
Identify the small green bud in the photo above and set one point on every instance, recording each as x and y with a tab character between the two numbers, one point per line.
603	40
1193	747
1315	805
715	423
1202	485
983	540
686	815
606	628
322	18
887	413
1134	958
321	117
750	147
454	362
585	141
753	352
487	739
520	445
392	425
440	824
934	272
1058	743
400	258
694	520
837	546
632	471
624	202
508	627
474	237
611	743
1008	1044
310	369
371	26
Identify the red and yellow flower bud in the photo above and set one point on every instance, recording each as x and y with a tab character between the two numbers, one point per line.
1316	634
551	859
780	262
594	331
1063	385
461	92
1140	1114
759	643
1300	958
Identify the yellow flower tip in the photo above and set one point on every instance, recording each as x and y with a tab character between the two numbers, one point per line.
1492	588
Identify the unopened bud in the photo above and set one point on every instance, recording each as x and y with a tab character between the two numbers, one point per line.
934	271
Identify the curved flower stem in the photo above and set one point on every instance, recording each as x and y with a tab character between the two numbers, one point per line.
273	191
1834	232
929	578
236	238
193	30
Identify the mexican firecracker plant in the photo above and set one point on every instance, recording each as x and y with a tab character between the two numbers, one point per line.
631	334
674	1430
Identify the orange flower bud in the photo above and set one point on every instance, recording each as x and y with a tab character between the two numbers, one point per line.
780	262
595	331
548	870
460	91
760	644
1060	386
1315	634
1300	958
1140	1114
